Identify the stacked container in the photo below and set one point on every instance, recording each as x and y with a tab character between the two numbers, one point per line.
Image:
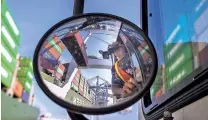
81	85
143	48
25	75
75	81
52	50
10	40
60	71
18	89
85	89
25	96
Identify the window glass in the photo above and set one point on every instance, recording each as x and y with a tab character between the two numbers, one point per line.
179	31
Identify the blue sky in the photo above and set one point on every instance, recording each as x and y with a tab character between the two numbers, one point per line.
35	17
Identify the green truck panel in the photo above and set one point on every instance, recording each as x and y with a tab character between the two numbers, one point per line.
12	109
8	22
6	75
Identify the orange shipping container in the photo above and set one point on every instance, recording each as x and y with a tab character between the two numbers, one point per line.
18	89
60	44
54	52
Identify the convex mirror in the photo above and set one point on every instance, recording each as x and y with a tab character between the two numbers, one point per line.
95	63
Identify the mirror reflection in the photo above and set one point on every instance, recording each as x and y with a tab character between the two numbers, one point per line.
95	62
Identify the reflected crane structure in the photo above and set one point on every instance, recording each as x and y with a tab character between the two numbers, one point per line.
101	88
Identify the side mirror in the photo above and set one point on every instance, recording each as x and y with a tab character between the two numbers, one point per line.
79	79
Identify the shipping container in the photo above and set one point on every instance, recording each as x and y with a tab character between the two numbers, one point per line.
78	72
25	82
8	42
47	55
50	53
75	82
77	78
52	44
8	59
81	85
9	23
73	41
60	71
25	72
58	76
25	96
18	89
45	63
61	66
6	75
56	39
54	52
81	79
26	62
74	86
55	43
81	92
53	72
60	44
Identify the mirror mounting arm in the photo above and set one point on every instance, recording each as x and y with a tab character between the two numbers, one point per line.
78	7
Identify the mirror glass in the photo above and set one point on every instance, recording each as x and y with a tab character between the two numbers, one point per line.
95	61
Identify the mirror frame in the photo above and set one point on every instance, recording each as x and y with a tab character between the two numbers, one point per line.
85	110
